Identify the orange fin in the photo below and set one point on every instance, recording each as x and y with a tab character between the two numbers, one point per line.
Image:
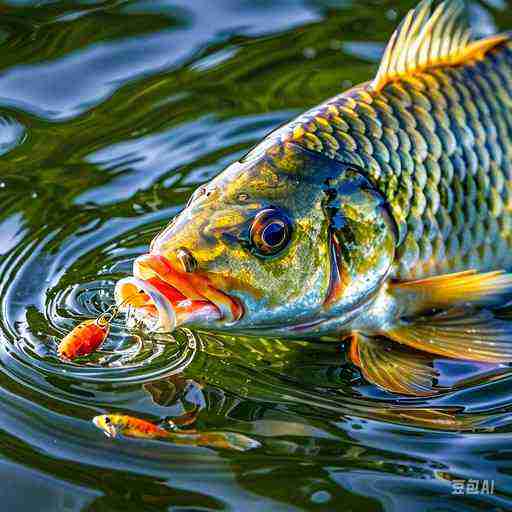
188	418
430	37
445	291
394	368
459	333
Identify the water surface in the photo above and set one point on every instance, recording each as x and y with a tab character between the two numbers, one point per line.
111	114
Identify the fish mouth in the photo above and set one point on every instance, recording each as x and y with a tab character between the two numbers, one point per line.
163	297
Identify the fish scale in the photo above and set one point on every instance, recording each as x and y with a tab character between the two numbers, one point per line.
437	144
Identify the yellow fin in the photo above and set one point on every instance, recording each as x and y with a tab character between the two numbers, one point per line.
429	37
444	291
394	368
459	333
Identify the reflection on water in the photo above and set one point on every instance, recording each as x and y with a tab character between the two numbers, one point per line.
111	113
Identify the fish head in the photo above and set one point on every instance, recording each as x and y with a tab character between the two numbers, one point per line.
106	423
253	250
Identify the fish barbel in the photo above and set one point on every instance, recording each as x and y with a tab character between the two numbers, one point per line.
383	213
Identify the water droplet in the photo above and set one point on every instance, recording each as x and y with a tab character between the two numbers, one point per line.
309	53
321	497
391	14
335	44
2	184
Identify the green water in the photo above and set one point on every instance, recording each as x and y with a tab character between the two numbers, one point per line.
111	114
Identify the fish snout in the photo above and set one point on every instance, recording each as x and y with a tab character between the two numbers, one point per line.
103	422
166	293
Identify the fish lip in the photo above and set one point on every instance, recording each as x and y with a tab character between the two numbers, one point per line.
166	315
201	300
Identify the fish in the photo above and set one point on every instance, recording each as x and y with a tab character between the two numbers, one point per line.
114	424
381	218
130	426
84	339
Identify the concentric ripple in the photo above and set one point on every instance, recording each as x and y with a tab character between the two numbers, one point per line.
125	357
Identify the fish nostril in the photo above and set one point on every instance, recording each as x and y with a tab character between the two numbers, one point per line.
186	259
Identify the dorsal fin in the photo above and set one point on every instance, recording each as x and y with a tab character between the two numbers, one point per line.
429	37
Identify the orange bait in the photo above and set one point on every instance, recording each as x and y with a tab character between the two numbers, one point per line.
85	338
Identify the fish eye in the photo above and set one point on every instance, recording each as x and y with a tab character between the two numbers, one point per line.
270	232
108	421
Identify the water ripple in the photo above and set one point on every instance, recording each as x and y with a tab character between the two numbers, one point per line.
112	113
12	133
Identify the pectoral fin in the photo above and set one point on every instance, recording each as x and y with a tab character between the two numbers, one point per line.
392	367
459	333
462	288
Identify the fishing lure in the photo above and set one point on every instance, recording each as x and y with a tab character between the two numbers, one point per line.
87	336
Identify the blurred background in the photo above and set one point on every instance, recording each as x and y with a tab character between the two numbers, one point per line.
111	114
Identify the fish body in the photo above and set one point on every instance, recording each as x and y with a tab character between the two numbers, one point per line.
437	144
385	212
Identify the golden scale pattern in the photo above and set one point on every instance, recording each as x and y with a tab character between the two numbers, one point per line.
439	146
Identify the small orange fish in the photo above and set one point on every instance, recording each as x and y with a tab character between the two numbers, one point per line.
84	338
114	424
